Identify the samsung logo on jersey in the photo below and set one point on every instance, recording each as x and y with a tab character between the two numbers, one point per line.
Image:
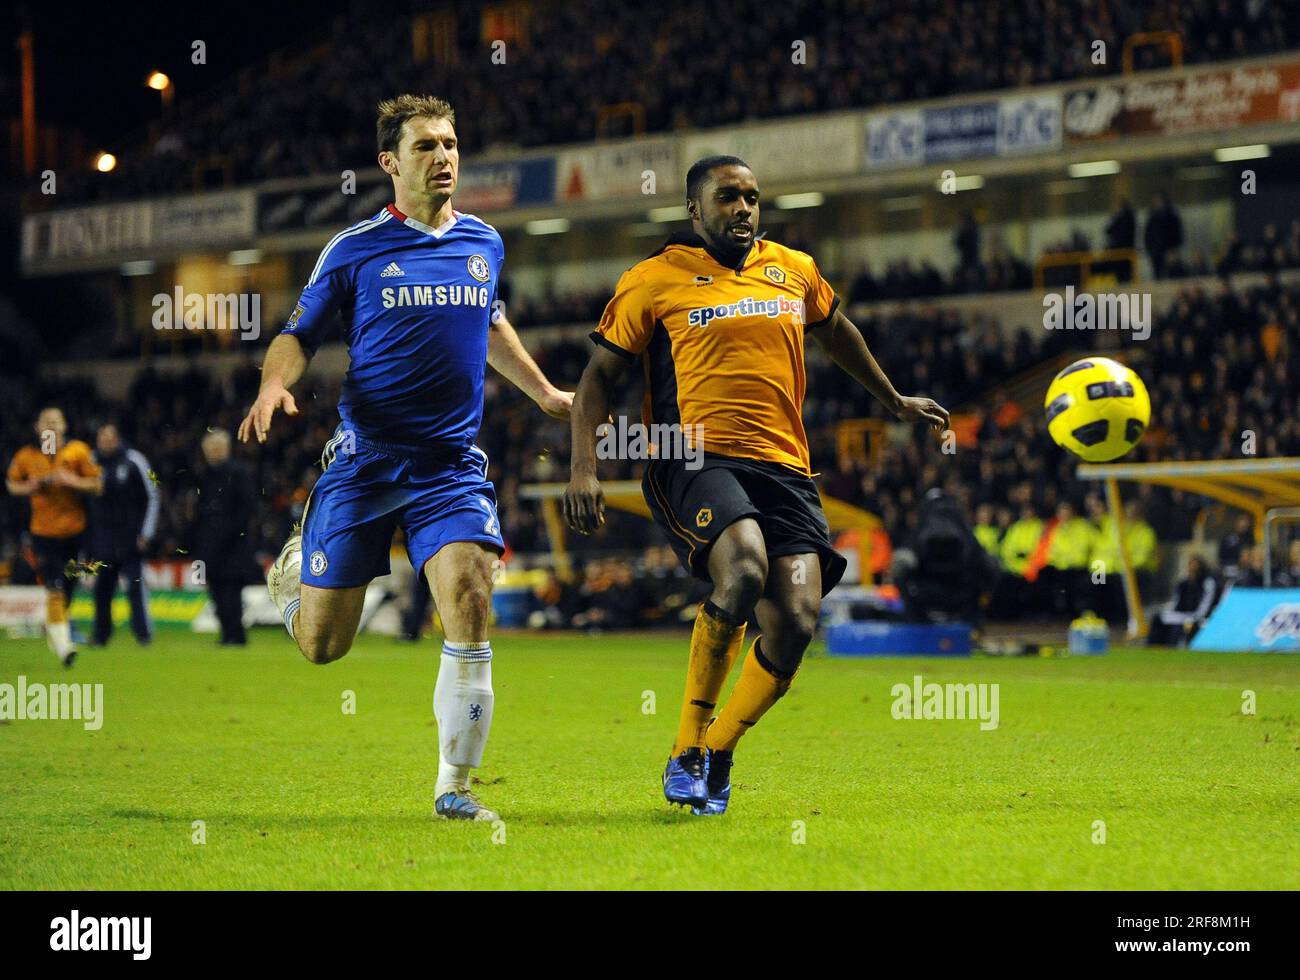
434	296
749	306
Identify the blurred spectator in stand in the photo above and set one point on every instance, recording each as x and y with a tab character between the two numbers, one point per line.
614	599
1016	595
1067	548
864	288
1142	554
1193	601
558	601
1287	575
1250	568
1164	232
987	532
1121	229
967	242
1234	544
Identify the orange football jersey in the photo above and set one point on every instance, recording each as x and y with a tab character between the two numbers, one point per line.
57	512
724	347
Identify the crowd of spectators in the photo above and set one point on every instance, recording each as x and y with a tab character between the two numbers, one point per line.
1222	367
995	269
999	271
566	61
1241	562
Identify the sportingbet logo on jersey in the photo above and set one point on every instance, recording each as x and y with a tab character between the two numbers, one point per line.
777	306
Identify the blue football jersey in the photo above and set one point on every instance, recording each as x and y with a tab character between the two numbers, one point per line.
415	304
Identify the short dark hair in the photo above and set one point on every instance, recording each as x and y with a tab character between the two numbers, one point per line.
393	114
700	170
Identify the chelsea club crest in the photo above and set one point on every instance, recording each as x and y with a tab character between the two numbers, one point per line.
478	268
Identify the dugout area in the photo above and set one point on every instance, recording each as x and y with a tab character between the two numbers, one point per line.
1267	489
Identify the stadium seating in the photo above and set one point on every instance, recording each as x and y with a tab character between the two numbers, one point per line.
560	74
1215	368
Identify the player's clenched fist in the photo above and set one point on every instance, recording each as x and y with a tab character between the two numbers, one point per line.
258	419
584	504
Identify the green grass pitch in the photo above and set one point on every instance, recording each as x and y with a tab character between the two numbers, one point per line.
294	793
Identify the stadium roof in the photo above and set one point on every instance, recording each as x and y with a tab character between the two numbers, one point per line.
1253	485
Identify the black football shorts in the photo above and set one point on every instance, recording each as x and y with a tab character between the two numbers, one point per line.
53	555
694	506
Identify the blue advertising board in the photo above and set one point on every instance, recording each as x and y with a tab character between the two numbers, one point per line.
961	132
1253	619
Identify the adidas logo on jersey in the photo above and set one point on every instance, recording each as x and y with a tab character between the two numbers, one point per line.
390	270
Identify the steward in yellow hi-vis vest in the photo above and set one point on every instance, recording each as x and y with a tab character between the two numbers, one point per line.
717	319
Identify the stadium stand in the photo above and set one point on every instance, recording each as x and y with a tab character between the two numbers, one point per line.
1221	362
881	53
1221	359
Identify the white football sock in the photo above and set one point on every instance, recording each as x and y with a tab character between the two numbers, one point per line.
59	638
462	705
290	616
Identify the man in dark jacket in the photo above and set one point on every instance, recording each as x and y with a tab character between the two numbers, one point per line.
124	520
946	571
1164	232
1233	544
221	536
1194	600
966	240
1121	229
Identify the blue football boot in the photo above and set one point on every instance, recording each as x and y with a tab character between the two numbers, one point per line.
719	784
461	804
685	778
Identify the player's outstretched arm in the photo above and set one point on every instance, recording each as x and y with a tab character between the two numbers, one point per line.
844	343
286	360
584	502
508	357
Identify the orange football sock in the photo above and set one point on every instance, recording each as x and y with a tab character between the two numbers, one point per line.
715	643
760	686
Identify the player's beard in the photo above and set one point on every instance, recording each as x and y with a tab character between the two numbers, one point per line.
727	248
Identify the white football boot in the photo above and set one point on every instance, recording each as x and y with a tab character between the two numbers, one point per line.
284	580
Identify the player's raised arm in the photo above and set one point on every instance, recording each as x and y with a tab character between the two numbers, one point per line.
286	360
844	342
508	357
584	503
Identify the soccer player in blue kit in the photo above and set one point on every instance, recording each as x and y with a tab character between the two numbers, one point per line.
415	290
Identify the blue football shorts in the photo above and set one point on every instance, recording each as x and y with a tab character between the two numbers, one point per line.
369	489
